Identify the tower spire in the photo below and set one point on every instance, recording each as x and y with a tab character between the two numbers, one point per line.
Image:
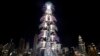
48	7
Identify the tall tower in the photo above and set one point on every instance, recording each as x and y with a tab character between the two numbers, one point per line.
48	39
21	47
35	45
82	47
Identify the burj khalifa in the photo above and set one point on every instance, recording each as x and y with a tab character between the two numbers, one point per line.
48	44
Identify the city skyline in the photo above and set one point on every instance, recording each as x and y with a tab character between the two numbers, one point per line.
49	28
22	20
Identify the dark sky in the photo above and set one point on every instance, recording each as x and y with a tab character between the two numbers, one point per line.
20	18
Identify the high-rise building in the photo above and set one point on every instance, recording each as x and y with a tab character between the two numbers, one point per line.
35	50
48	39
92	51
65	51
11	47
1	47
27	47
21	48
82	47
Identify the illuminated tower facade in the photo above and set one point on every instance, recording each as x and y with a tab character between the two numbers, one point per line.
48	44
82	47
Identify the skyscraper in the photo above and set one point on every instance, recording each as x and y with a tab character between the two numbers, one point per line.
82	48
48	39
35	45
92	51
21	48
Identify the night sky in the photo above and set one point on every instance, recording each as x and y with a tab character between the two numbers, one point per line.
20	19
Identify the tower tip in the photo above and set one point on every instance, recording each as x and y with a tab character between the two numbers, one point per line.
80	37
48	5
